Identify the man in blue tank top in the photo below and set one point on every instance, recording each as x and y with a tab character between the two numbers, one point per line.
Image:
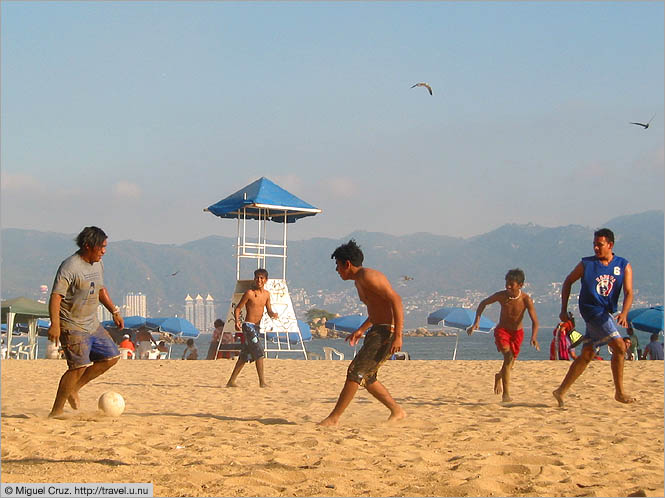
603	276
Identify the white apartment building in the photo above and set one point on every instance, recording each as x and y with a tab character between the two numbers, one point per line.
135	304
103	314
201	312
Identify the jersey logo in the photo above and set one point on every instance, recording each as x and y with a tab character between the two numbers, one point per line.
604	284
617	270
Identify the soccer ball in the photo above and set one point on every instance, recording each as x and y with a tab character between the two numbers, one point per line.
111	403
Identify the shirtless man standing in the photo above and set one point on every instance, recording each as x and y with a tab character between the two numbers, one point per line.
386	318
508	333
254	300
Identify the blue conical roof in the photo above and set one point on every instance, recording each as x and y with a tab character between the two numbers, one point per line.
263	194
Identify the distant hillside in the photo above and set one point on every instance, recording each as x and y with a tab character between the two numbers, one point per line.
448	265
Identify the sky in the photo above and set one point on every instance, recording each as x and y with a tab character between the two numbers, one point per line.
135	116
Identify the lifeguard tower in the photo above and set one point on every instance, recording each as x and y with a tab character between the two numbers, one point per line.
257	204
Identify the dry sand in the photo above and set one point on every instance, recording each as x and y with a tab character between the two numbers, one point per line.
190	436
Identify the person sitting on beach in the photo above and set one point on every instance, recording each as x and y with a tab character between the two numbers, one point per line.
654	350
386	318
191	352
145	342
162	347
126	343
254	301
634	343
629	353
215	339
508	334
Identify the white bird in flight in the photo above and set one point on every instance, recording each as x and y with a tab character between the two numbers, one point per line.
429	88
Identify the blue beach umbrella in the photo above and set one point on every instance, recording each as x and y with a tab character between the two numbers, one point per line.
459	318
173	325
131	322
349	323
647	319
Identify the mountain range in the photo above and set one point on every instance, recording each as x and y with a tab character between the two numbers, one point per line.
166	273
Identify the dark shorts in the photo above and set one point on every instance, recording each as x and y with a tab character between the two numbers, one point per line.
375	350
252	349
83	349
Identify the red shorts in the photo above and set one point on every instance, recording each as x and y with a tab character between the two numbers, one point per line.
512	339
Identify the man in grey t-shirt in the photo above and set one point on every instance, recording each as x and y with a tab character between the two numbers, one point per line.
78	289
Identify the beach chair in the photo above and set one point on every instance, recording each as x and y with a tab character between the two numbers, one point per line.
126	353
155	354
24	350
329	352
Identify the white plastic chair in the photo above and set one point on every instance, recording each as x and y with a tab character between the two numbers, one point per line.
329	352
24	350
126	353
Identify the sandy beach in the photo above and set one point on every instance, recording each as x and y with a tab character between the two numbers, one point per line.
189	436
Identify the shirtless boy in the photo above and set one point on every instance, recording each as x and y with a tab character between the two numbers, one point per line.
508	334
385	317
254	300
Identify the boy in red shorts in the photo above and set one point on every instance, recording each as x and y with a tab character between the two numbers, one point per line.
508	334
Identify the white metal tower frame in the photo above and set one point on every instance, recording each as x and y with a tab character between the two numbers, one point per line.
254	245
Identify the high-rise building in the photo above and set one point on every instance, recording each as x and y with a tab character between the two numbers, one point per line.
43	294
135	304
103	314
209	314
201	312
189	308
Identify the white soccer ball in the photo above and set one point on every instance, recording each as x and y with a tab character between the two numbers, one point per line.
112	404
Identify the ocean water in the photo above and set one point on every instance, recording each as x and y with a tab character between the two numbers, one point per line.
479	346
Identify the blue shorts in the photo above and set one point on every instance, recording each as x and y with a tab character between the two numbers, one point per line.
252	349
83	349
601	330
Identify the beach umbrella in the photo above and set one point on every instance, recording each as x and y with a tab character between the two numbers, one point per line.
349	323
647	319
459	318
173	325
131	322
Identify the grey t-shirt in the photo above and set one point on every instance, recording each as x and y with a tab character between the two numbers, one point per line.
79	283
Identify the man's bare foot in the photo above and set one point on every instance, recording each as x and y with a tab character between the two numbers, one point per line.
396	415
498	386
559	397
622	398
264	385
231	384
74	400
59	414
506	398
328	422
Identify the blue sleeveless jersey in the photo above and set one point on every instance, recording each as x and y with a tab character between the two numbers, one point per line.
601	286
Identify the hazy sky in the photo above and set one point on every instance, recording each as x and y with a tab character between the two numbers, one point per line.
134	116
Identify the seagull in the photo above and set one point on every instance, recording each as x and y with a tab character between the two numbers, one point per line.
174	274
429	88
645	126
